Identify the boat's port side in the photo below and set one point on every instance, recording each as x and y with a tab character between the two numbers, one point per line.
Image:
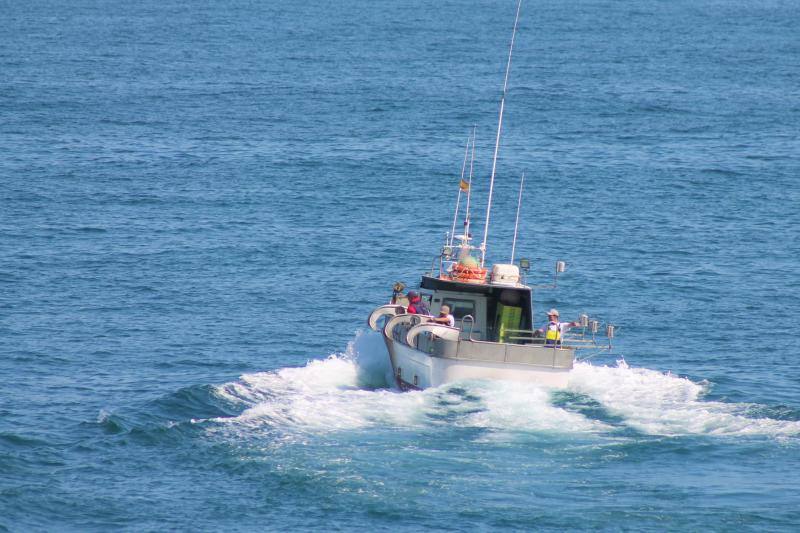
412	368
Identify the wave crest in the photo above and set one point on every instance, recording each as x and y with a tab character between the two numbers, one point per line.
657	403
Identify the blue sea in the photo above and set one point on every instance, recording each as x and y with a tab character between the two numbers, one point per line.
201	203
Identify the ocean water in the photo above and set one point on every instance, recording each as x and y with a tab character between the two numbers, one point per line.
200	204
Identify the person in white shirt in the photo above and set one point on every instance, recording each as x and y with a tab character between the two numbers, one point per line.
554	330
445	317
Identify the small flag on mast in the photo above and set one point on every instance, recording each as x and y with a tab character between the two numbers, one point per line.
464	184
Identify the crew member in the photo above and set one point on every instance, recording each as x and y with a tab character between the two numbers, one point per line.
554	330
416	306
445	317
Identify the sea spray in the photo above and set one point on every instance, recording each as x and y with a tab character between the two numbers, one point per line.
368	351
509	405
337	393
350	390
659	403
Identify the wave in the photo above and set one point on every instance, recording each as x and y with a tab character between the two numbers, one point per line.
160	420
353	390
344	391
657	403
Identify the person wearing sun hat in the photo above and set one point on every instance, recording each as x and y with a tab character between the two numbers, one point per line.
445	317
554	329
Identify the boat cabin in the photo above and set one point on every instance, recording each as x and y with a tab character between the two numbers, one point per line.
486	311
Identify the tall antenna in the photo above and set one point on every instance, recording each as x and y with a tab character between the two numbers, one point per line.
458	198
469	190
497	140
516	223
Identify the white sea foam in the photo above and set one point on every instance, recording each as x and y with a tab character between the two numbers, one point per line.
328	394
335	394
659	403
524	406
351	390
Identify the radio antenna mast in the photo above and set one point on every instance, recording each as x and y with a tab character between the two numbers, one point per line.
469	189
497	140
516	223
458	198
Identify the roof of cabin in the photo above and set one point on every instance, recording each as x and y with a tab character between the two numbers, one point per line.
437	284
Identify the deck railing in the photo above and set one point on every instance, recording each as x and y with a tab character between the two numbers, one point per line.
530	336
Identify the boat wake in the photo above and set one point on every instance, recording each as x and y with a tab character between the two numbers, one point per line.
352	390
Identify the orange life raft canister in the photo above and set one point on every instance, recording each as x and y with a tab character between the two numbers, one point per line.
468	274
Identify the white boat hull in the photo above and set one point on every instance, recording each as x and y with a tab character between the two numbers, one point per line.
414	369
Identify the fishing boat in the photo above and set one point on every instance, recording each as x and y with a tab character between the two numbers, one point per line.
492	335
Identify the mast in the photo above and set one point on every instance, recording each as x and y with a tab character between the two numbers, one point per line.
497	140
458	198
469	190
516	222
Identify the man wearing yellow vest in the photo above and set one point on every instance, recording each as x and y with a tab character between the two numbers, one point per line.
554	330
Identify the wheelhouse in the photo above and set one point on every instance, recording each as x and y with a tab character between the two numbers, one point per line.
487	312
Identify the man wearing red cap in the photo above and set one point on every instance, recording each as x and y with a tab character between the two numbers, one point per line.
416	306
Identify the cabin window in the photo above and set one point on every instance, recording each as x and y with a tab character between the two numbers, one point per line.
460	308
